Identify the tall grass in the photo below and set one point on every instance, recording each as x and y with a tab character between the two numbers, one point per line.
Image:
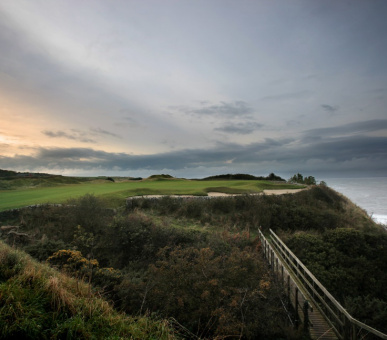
37	302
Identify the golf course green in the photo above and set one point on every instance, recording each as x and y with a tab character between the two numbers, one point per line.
116	192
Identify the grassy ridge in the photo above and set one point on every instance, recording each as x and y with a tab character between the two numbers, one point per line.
116	192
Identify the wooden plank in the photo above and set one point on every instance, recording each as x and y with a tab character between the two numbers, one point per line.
319	328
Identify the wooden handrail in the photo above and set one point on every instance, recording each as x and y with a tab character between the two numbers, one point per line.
343	327
270	254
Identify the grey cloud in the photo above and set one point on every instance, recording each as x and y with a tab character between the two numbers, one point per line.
128	122
223	109
131	121
350	153
347	148
377	91
329	108
105	132
240	128
76	135
35	76
86	158
285	96
352	128
293	123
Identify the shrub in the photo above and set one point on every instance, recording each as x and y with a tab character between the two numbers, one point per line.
232	292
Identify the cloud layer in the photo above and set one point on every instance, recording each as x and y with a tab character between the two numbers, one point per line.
193	88
353	154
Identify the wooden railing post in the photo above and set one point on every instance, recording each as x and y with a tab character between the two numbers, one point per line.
347	330
288	286
354	334
296	307
306	316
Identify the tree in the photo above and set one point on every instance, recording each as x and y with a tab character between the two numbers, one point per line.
298	178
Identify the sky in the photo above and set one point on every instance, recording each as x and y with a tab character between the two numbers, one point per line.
194	88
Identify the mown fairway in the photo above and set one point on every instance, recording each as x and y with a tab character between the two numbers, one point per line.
115	193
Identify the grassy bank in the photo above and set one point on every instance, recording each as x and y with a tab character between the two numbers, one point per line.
37	302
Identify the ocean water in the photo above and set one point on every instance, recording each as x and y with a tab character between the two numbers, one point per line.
368	193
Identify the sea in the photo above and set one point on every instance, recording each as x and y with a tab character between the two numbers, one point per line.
367	193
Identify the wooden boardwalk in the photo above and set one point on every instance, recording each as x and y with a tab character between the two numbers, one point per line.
317	327
315	308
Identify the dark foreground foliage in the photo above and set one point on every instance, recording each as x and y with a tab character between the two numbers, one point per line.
36	302
213	283
197	261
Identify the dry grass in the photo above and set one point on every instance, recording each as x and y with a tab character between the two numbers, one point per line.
37	301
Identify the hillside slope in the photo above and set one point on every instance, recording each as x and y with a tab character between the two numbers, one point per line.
37	302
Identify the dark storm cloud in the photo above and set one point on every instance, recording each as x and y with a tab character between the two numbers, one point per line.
349	153
240	128
75	135
223	109
87	158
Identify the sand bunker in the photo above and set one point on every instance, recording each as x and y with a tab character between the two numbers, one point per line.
281	192
266	192
221	194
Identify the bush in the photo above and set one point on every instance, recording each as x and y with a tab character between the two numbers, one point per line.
212	295
348	262
44	248
371	311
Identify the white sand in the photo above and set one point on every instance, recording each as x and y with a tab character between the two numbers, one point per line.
266	192
221	194
281	192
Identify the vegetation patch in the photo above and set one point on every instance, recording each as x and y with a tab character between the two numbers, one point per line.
36	302
193	262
